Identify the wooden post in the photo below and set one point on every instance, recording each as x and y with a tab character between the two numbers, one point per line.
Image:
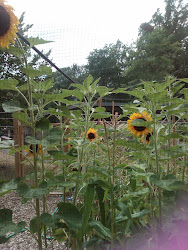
113	110
18	141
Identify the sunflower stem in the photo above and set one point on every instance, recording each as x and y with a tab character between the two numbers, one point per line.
35	168
157	162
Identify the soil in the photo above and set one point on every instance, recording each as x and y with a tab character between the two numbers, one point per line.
24	212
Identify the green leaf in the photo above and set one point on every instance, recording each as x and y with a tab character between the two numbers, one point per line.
139	93
8	84
60	155
53	136
30	71
23	118
47	84
102	90
41	190
32	140
45	70
101	115
42	124
7	186
141	213
5	215
23	190
94	240
36	40
70	214
169	182
100	229
60	234
87	82
78	94
123	208
18	52
79	86
94	85
89	195
47	219
33	225
11	106
157	97
100	195
100	109
6	144
3	239
130	144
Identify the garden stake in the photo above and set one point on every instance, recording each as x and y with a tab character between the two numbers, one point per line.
44	57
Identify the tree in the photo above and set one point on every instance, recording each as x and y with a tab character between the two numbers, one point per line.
109	64
161	47
10	66
75	72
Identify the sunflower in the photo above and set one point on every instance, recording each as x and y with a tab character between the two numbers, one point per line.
91	134
139	130
69	145
30	150
8	25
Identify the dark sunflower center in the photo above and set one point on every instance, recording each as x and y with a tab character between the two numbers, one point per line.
4	21
148	136
91	136
140	128
31	148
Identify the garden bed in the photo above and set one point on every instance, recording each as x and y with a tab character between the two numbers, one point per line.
25	213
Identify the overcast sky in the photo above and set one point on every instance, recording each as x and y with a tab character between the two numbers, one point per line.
79	26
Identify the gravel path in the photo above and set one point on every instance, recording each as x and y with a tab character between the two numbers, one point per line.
24	212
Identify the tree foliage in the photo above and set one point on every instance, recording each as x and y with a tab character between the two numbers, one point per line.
161	47
109	64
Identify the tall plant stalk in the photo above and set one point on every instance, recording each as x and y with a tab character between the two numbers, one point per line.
35	167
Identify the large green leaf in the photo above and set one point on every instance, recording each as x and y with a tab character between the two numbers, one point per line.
5	215
6	144
103	91
8	84
11	106
130	144
53	136
101	115
23	118
100	229
29	193
87	82
123	208
36	40
71	215
42	124
89	195
60	155
100	195
169	182
47	219
11	185
18	52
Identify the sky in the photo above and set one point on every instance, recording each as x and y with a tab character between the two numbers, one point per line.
77	27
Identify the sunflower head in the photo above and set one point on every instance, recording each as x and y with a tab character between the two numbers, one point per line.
91	134
139	130
8	24
30	150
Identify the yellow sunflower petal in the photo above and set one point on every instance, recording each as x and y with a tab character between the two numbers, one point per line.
8	25
91	134
139	130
